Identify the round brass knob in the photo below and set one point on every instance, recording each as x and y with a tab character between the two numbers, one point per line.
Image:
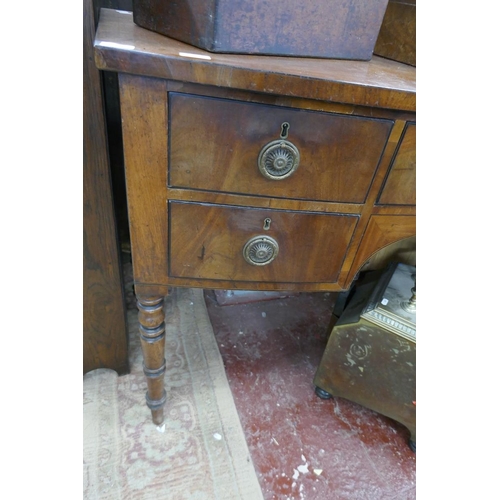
260	250
278	160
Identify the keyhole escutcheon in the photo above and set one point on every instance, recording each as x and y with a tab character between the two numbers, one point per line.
285	126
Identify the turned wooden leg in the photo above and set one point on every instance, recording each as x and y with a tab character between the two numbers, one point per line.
152	332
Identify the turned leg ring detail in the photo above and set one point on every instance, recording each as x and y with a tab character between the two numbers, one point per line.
152	335
156	404
155	372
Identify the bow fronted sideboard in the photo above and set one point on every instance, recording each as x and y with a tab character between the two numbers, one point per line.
255	172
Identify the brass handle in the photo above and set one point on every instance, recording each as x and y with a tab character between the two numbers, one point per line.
260	250
278	160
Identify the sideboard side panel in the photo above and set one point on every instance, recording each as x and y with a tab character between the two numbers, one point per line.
144	120
382	230
400	187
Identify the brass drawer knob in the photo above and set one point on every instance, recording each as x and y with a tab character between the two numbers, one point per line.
260	250
278	160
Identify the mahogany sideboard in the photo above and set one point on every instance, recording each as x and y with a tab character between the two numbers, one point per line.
254	172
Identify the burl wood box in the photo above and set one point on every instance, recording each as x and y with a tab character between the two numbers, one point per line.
397	39
336	29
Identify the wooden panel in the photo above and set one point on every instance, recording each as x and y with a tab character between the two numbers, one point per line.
191	21
125	47
215	145
310	104
398	34
143	106
114	132
404	251
400	186
368	207
342	29
262	202
104	320
382	230
111	4
207	241
154	290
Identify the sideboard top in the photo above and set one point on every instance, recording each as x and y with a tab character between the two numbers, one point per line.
122	46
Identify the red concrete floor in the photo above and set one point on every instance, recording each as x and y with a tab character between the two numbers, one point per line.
303	447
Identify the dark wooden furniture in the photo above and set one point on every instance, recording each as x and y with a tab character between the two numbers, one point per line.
343	29
105	343
254	172
397	38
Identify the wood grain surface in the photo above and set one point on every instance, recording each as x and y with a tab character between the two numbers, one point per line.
342	29
215	145
397	38
105	343
382	230
122	46
401	185
144	124
193	126
207	242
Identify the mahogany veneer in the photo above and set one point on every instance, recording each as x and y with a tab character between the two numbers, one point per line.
253	172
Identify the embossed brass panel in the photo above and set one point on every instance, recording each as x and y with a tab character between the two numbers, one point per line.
371	353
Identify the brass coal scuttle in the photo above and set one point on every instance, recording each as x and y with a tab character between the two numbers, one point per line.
370	357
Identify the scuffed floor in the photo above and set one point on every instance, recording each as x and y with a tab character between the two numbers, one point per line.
304	447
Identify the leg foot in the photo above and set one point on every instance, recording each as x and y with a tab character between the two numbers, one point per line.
322	393
152	333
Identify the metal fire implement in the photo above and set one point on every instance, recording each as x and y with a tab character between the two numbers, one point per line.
370	357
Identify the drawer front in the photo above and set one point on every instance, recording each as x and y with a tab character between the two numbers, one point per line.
401	183
215	144
223	242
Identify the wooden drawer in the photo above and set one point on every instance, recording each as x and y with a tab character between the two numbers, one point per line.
214	144
400	185
208	242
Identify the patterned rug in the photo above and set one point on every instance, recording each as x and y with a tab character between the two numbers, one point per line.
200	453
